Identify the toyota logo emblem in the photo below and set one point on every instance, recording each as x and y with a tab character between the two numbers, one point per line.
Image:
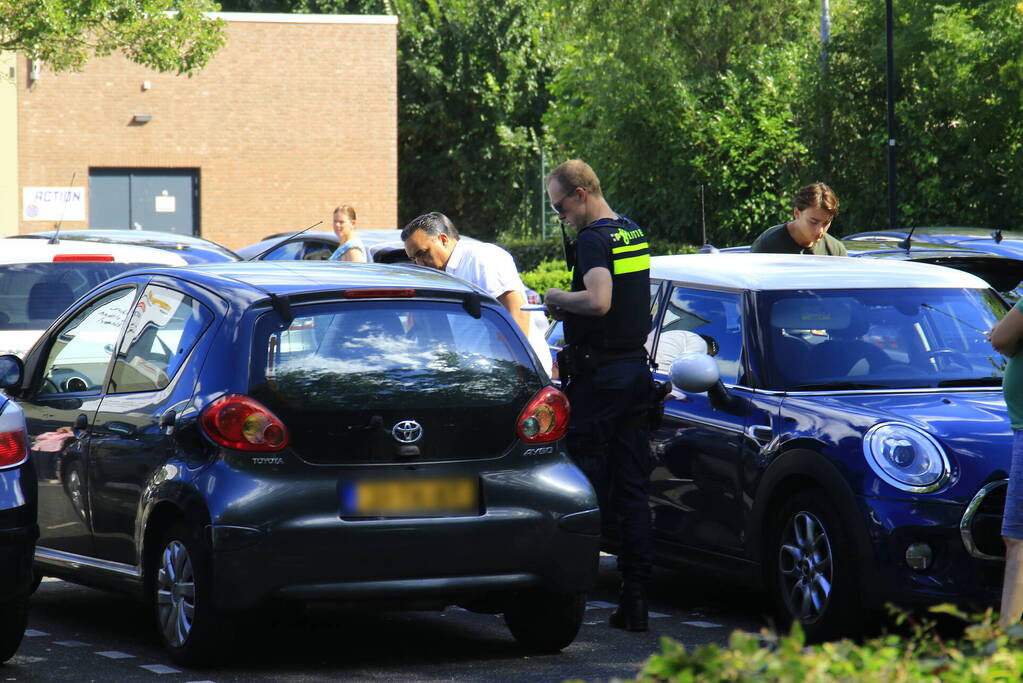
407	431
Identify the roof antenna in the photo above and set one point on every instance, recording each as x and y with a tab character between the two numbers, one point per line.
56	234
906	243
706	248
281	243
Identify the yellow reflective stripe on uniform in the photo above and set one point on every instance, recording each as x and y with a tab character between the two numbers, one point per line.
634	247
631	264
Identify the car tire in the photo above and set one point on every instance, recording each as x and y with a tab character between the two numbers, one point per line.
193	631
13	619
812	577
546	622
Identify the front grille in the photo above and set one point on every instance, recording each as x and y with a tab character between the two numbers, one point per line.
981	526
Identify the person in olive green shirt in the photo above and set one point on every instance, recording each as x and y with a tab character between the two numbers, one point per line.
1005	338
814	207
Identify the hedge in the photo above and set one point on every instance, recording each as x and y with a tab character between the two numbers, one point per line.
984	652
530	253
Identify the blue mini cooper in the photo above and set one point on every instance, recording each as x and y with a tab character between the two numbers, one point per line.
853	446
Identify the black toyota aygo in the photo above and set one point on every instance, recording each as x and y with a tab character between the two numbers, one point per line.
222	437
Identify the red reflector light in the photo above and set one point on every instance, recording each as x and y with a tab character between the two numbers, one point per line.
378	293
82	257
545	417
12	448
243	424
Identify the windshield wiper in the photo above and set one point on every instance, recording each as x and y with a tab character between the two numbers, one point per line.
972	382
829	386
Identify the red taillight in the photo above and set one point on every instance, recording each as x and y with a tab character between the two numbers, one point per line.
244	424
545	417
378	293
82	257
12	448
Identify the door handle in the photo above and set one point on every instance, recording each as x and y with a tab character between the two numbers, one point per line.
760	433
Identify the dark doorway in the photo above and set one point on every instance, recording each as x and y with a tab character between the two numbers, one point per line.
163	199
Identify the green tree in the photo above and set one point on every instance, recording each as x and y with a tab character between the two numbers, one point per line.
165	35
662	96
959	74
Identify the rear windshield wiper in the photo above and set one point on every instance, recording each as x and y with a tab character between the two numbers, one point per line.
831	386
972	382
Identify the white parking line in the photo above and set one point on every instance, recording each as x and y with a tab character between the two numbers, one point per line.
702	624
160	669
600	604
70	643
32	633
114	654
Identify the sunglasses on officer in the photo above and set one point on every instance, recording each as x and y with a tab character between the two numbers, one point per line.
558	206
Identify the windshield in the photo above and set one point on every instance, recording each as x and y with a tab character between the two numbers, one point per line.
874	338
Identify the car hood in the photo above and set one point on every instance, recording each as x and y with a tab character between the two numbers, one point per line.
972	426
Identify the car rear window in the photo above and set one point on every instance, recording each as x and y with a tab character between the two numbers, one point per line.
345	373
32	295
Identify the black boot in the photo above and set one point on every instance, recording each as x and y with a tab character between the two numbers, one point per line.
631	614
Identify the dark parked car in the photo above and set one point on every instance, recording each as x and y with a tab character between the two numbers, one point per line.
191	249
1002	242
1002	271
223	437
18	530
857	446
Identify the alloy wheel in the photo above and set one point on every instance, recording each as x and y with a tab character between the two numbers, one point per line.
805	567
175	593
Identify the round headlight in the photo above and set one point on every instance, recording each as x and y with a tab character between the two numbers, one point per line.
905	457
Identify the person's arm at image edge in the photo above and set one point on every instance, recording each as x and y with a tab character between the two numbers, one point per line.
1005	335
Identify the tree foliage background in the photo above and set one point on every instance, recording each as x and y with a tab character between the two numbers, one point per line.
165	35
665	97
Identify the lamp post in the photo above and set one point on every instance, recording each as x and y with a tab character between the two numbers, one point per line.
893	216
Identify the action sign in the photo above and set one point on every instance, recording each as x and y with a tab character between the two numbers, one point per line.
53	203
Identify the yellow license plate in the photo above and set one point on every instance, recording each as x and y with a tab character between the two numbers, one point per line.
411	497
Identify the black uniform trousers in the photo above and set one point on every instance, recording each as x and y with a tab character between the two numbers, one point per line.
609	441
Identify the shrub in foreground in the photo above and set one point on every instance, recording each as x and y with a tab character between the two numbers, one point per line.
984	652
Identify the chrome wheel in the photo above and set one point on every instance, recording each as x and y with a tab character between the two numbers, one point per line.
805	567
175	593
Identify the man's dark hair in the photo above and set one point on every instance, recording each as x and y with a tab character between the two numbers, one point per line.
433	224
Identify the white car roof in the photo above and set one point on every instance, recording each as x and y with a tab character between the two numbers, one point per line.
41	251
797	271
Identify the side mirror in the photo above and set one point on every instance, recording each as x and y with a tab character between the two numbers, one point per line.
694	372
12	369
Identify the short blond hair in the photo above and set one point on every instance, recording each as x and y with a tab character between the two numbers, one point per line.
576	173
346	210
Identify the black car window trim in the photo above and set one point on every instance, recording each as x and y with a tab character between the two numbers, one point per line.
39	367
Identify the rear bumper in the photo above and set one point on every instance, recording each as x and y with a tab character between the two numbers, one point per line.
540	528
17	546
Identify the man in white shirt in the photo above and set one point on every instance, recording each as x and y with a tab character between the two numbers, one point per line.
432	240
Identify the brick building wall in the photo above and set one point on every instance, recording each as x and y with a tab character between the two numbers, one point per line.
295	115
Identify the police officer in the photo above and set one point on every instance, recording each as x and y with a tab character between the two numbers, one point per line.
605	372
